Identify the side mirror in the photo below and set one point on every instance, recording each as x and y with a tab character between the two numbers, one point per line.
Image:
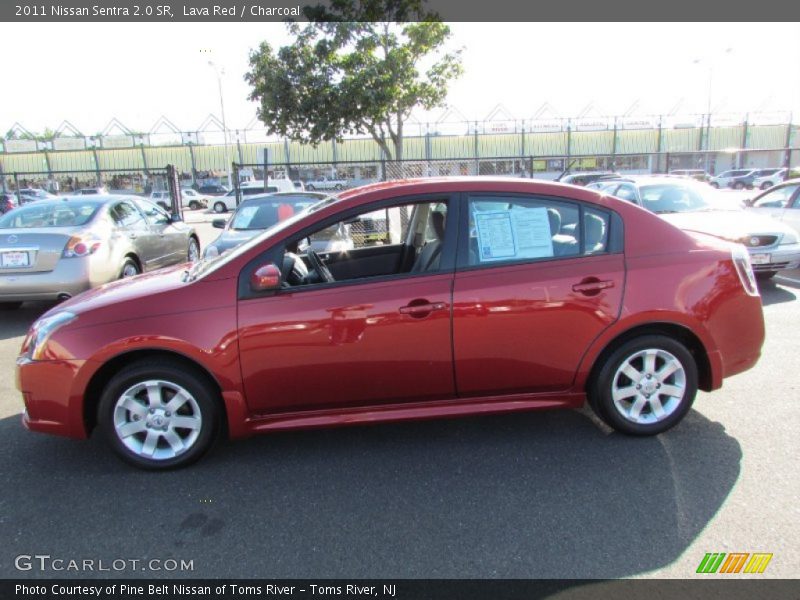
266	277
219	223
175	218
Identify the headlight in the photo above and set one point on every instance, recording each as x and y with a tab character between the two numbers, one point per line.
34	345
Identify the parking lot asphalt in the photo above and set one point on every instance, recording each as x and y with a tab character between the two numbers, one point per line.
536	495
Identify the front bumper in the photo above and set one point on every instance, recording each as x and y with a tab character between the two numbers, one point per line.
775	258
50	405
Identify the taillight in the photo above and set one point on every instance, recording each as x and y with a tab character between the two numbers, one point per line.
741	260
81	245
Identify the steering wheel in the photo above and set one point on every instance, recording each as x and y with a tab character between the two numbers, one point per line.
316	263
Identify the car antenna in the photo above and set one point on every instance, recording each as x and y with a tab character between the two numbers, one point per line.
565	171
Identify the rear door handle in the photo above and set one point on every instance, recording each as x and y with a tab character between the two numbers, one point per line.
422	310
592	287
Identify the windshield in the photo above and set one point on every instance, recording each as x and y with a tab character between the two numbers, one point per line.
208	265
679	197
56	214
264	214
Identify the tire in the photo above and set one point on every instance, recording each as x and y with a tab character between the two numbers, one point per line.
129	268
194	205
622	414
10	305
714	184
135	414
220	207
738	185
766	185
193	254
765	275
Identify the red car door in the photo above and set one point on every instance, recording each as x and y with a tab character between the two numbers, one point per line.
350	343
522	323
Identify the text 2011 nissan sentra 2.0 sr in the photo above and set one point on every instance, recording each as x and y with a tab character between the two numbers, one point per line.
487	296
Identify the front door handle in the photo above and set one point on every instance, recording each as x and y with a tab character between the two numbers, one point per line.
592	286
419	309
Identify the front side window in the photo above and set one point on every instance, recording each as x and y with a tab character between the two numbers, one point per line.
126	215
509	229
396	240
154	214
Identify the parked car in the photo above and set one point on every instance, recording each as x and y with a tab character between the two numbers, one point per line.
213	189
737	179
189	199
257	213
772	245
326	183
34	194
587	177
91	191
8	201
251	188
764	181
55	249
500	295
696	174
781	202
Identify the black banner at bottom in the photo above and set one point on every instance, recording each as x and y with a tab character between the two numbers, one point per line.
403	589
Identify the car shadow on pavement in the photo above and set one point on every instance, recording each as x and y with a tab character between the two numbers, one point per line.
775	294
531	495
14	323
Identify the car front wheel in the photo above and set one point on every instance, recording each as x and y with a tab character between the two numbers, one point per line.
738	185
158	415
714	184
129	268
219	207
766	185
645	386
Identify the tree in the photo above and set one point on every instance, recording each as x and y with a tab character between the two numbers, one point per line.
349	75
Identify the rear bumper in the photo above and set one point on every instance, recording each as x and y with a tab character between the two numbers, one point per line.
69	277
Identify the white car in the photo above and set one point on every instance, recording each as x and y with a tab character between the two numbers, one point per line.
189	198
251	188
765	181
732	178
326	183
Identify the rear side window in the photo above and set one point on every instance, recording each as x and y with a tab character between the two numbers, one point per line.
523	229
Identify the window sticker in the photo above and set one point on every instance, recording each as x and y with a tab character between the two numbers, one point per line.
515	234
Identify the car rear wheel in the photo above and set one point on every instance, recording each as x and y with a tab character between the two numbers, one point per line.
645	386
219	207
738	185
194	205
129	268
714	184
10	305
158	415
194	250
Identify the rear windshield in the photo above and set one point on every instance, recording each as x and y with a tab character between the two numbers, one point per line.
59	214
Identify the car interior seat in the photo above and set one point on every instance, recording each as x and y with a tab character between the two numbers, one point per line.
595	231
428	258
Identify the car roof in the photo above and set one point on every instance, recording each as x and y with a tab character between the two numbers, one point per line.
98	199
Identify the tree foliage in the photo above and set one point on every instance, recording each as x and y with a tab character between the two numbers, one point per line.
348	75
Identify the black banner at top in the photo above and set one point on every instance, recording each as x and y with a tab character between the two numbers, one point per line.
230	11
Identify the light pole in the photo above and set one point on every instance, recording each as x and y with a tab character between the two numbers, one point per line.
224	124
710	63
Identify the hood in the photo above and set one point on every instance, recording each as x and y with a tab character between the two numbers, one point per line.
141	287
726	224
231	238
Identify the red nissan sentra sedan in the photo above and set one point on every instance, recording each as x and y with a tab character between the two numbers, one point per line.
476	295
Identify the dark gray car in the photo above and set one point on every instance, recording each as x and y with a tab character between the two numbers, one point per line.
257	213
54	249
